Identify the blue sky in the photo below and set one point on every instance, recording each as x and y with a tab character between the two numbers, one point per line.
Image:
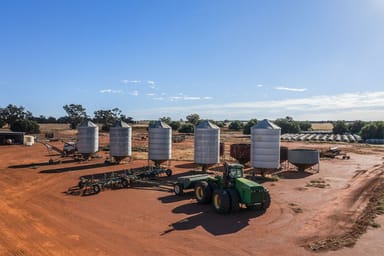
312	60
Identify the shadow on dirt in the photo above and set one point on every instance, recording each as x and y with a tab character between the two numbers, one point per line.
75	168
31	165
290	174
173	198
212	222
188	166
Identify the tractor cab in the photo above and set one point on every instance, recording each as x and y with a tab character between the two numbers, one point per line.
231	173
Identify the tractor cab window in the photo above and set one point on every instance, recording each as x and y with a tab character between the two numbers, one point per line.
235	173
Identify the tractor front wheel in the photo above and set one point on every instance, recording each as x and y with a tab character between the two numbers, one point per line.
203	192
267	200
221	201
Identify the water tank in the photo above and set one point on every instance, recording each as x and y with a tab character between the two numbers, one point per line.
120	137
88	138
29	140
207	143
160	142
265	145
303	158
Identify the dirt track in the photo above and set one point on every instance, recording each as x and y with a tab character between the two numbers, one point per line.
37	218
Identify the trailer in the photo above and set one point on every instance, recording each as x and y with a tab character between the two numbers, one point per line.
94	183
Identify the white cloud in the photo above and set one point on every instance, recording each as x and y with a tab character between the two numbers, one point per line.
135	93
131	81
291	89
181	96
346	106
260	85
151	94
151	83
110	91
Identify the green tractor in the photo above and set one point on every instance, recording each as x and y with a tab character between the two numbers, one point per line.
228	192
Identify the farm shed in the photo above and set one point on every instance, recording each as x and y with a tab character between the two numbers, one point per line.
13	137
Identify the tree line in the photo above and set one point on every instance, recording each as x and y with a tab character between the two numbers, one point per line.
20	119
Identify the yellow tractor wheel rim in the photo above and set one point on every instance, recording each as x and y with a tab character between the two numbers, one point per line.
216	201
199	192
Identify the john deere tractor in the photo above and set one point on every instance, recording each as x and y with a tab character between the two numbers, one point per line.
228	192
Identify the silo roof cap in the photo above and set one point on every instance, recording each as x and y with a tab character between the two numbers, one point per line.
159	124
266	124
206	125
87	123
121	124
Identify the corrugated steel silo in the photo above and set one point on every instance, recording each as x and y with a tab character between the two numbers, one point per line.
265	145
88	138
120	141
160	142
207	143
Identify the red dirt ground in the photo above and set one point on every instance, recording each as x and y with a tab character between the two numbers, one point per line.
38	218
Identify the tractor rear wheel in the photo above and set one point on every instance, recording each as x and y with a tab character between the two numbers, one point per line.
235	200
221	201
203	192
178	189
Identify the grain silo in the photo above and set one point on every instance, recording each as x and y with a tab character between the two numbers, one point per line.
87	139
160	143
265	145
120	141
207	144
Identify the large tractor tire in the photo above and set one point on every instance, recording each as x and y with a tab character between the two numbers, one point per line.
267	200
203	192
235	200
221	201
178	189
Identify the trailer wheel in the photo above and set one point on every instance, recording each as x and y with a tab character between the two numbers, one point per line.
203	192
168	172
235	200
267	200
220	201
178	189
81	184
124	183
96	189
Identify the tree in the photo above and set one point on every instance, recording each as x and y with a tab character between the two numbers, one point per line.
193	118
247	126
287	125
373	130
12	113
305	125
340	127
126	119
187	128
18	119
25	125
356	126
236	125
165	119
106	118
76	114
175	125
